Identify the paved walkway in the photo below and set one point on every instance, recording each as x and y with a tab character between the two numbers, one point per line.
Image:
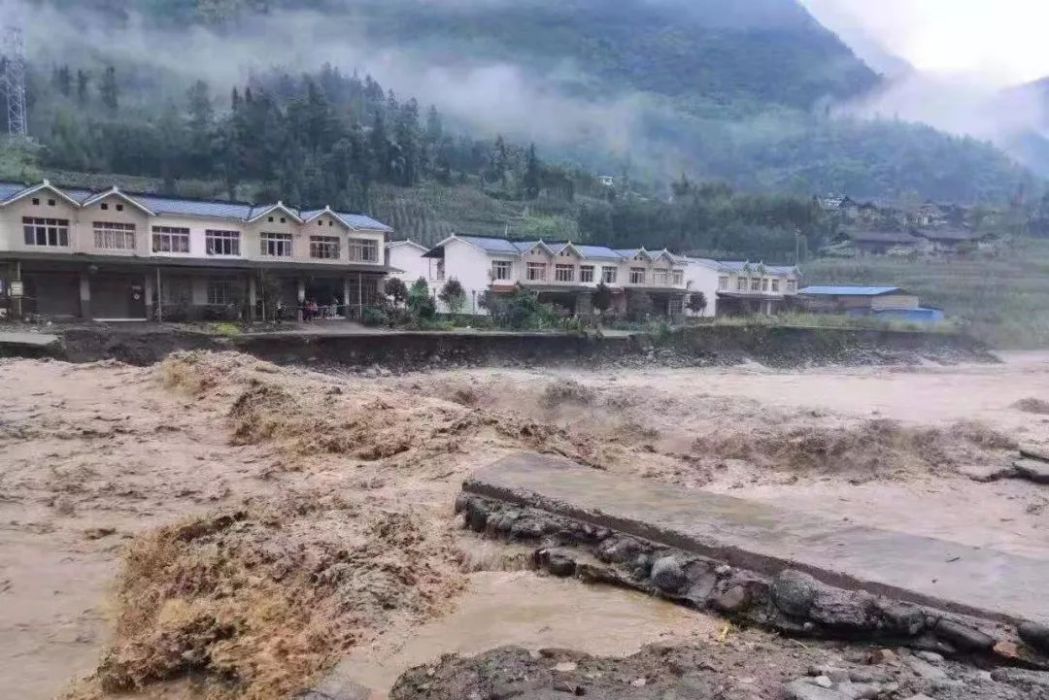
36	340
763	538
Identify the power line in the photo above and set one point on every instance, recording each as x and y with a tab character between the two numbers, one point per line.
13	80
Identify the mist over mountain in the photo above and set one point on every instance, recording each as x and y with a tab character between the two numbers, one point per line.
743	92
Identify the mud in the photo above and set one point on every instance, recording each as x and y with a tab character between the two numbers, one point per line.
104	464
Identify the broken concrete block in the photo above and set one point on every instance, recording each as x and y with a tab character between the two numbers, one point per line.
1033	452
1033	470
985	473
668	576
962	637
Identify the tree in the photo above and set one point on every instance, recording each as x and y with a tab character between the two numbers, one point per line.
533	175
601	298
109	90
697	302
63	80
453	295
83	81
397	290
420	303
638	305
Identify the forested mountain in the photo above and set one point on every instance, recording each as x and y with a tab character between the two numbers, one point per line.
217	97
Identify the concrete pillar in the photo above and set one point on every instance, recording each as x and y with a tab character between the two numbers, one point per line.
18	300
346	297
85	295
148	288
253	295
301	296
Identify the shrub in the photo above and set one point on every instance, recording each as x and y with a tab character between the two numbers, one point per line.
638	305
602	298
420	303
697	302
374	316
453	295
397	290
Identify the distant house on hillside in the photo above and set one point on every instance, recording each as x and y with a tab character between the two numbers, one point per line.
889	303
883	242
953	241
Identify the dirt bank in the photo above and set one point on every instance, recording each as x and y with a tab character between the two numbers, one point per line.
234	526
702	346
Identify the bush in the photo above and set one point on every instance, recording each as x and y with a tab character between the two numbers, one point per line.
602	298
519	310
374	316
420	303
453	295
638	305
397	290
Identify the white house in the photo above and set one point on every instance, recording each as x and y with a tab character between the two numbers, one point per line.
406	261
75	253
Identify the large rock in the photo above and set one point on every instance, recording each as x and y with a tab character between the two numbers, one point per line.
794	593
804	689
962	637
1035	635
668	575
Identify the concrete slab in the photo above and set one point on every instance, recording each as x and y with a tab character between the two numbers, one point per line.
36	340
759	537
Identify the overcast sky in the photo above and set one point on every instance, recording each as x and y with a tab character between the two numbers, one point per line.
1001	40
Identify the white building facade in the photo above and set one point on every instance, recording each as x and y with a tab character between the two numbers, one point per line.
78	254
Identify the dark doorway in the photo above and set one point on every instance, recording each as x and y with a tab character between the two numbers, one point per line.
118	296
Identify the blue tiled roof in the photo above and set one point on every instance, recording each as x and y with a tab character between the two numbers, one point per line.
174	206
496	246
599	252
850	291
737	266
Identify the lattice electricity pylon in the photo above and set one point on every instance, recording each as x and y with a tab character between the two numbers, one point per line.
13	83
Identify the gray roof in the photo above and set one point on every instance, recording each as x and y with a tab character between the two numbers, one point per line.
212	209
850	291
496	246
738	266
882	237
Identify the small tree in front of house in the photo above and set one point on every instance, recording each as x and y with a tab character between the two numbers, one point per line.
397	290
601	299
420	303
453	295
638	305
697	302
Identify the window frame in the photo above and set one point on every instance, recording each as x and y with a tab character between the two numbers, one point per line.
536	267
638	273
271	241
755	284
228	243
586	274
325	247
502	270
609	274
564	273
113	230
40	232
228	284
775	286
358	248
171	234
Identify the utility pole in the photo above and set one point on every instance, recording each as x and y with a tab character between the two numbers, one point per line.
13	80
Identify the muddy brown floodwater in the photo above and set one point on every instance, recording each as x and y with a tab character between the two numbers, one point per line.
172	527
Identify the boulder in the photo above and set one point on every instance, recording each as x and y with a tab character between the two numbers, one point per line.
962	637
794	593
804	689
668	575
1035	635
619	550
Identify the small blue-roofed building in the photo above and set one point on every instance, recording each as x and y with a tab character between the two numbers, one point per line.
888	303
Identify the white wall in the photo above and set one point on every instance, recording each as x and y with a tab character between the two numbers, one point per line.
409	257
702	277
471	266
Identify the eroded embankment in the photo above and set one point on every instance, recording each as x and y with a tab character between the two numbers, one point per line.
405	351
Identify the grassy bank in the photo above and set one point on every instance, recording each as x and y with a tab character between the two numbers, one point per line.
1002	300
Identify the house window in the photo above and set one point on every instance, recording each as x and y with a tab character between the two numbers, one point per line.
792	286
609	274
120	207
113	236
276	245
221	293
222	242
48	233
637	275
364	250
741	284
51	202
661	278
324	247
501	270
536	272
170	240
586	274
775	286
176	291
564	273
755	284
679	278
723	283
36	201
765	285
104	206
440	270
